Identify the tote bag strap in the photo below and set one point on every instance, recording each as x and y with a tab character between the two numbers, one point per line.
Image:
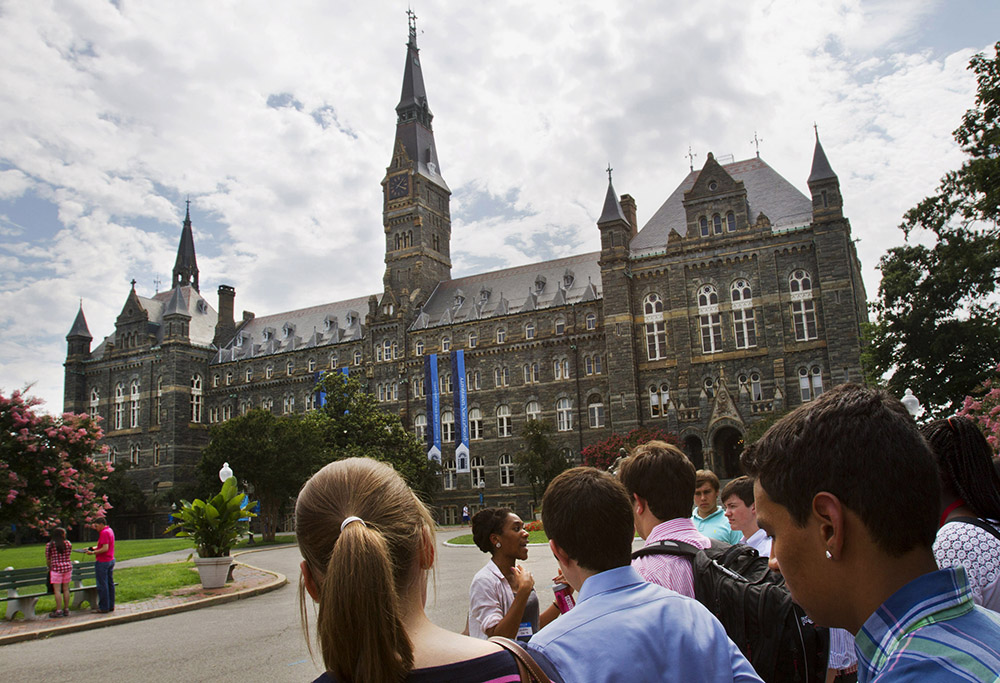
536	675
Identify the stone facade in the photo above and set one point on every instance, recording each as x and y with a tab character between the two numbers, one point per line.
740	297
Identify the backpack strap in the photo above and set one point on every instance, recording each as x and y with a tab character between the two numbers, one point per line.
524	660
975	521
667	547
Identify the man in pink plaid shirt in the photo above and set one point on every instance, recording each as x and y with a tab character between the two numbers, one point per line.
660	481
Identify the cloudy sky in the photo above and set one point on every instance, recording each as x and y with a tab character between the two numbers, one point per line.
277	120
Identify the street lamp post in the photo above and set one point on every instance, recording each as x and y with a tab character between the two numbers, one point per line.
225	472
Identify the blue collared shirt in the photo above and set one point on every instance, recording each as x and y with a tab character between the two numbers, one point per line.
930	630
716	526
625	629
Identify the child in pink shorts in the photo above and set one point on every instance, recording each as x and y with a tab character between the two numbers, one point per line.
57	558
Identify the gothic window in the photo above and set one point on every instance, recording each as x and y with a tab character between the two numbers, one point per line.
803	308
357	357
473	382
244	407
229	378
756	394
133	419
588	364
597	364
529	331
717	224
564	415
744	326
447	426
595	411
709	386
654	401
475	423
532	410
445	344
267	403
215	380
501	376
560	368
449	474
506	470
420	426
445	385
473	340
380	392
501	335
158	401
709	319
560	326
113	455
227	412
196	398
289	368
530	373
591	321
95	401
503	421
664	397
478	471
119	421
656	330
418	348
288	404
418	387
134	451
731	222
157	450
387	350
395	351
703	225
269	372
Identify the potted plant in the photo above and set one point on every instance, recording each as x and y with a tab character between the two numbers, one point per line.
215	525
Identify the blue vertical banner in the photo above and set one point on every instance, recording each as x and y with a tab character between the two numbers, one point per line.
433	407
461	411
320	391
346	370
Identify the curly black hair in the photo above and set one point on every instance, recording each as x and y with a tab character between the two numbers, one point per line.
487	522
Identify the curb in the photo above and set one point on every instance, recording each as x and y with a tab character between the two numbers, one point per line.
279	581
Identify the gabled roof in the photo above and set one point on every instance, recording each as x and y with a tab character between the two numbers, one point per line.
321	325
186	301
513	290
767	192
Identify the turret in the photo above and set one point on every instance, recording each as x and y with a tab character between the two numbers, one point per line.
79	338
616	230
176	318
827	203
186	265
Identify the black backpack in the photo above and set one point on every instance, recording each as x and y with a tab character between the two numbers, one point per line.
753	604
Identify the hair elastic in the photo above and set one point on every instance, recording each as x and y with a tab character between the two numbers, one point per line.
952	426
348	520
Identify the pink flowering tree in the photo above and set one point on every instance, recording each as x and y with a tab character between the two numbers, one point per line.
48	473
983	406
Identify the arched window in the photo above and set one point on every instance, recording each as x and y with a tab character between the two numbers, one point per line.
560	368
595	411
95	401
703	224
810	383
709	319
229	374
475	423
501	335
478	471
418	348
357	357
529	331
445	344
756	394
447	426
196	398
290	368
269	372
744	326
501	376
717	224
157	451
656	329
506	470
591	321
134	450
664	397
709	386
533	410
449	474
158	401
731	222
420	426
803	308
215	380
654	401
119	420
418	387
564	415
249	373
334	362
503	421
387	349
560	326
133	419
473	339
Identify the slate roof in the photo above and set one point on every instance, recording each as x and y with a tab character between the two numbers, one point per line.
188	301
303	328
513	290
79	328
821	167
768	193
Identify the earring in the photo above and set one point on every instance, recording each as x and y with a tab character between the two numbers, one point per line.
829	555
498	545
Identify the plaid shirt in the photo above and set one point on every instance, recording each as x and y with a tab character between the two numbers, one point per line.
930	630
58	561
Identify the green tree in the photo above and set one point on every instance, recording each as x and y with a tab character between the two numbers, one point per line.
125	496
757	429
48	471
540	461
273	454
603	454
352	424
938	319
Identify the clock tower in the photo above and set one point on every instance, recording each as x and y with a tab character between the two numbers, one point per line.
416	199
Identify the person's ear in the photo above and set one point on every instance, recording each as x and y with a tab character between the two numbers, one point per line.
427	549
561	557
829	512
638	504
310	583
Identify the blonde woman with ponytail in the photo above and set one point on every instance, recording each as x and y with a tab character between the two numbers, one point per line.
368	543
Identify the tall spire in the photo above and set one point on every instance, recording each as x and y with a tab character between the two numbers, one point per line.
612	209
79	329
186	265
821	167
413	114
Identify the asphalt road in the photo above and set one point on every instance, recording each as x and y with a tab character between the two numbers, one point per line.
257	639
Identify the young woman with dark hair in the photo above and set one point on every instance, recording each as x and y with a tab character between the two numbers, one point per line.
970	505
502	598
368	544
57	559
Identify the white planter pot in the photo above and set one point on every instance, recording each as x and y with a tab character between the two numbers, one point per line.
213	570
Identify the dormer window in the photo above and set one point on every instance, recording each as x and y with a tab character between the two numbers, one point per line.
459	299
539	284
268	334
201	306
568	278
288	330
484	295
329	323
239	341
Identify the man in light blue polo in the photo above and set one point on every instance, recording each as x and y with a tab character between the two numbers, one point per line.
708	517
622	628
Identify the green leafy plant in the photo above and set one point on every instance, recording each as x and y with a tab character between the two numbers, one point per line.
216	524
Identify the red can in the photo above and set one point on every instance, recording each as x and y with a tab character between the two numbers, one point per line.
564	597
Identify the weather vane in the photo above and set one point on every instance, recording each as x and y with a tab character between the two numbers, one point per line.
690	157
609	170
756	143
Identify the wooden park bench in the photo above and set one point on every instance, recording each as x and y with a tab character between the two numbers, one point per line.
23	587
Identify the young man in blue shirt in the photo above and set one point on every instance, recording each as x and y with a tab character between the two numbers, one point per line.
708	517
622	628
848	489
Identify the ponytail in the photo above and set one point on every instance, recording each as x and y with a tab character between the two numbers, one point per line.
965	463
360	626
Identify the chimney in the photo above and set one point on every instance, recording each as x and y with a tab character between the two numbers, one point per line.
225	328
628	208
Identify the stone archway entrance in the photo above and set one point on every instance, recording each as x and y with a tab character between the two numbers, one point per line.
693	450
727	445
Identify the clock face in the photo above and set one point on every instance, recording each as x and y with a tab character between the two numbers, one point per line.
399	186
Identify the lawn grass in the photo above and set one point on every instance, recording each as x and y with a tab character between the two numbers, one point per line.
134	584
33	555
533	537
